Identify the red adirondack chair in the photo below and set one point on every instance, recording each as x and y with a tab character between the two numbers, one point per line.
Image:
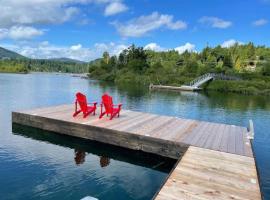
110	108
84	107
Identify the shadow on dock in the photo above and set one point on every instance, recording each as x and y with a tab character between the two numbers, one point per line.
104	151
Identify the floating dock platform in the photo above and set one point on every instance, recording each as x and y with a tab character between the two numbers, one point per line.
216	161
174	88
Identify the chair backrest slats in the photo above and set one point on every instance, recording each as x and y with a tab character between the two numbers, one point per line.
108	103
82	101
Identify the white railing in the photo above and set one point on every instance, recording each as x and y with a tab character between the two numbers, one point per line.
201	79
209	76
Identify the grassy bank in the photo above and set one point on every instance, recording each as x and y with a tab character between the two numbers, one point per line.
248	87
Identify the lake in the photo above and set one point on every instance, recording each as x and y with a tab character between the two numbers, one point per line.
40	165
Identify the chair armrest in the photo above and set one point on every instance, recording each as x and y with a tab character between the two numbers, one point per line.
95	103
118	105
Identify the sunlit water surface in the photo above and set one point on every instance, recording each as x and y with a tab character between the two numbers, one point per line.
41	165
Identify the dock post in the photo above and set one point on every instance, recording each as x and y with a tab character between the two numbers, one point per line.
251	132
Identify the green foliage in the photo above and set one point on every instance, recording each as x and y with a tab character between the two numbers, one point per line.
266	69
136	65
244	87
9	66
42	65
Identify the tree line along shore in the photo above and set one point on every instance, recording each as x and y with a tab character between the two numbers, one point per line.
136	65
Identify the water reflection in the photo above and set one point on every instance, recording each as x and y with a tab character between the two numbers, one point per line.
104	161
83	148
79	157
45	156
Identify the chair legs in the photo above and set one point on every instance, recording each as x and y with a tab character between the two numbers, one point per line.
102	114
93	110
86	113
112	115
76	113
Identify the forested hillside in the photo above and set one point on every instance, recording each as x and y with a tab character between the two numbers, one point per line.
42	65
137	65
16	63
7	54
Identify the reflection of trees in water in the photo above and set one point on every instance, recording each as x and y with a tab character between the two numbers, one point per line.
133	94
237	101
79	157
104	161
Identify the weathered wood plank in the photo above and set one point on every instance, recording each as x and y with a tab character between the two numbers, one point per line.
224	142
216	133
207	174
196	134
170	129
39	111
211	129
190	132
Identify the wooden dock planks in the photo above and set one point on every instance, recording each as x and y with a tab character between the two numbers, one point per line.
204	174
218	163
220	137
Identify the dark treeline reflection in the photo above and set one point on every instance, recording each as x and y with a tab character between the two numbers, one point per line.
106	152
136	93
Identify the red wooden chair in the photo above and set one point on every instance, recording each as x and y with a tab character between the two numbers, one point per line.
84	107
110	108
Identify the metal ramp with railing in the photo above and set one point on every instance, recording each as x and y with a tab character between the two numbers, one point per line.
196	83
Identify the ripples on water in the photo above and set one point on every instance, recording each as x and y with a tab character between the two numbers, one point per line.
38	165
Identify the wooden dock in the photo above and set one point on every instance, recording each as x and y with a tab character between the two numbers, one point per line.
207	174
218	161
174	88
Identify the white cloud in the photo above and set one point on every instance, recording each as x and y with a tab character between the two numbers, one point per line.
32	12
215	22
29	12
186	47
76	47
19	17
230	43
144	24
19	32
153	47
112	48
115	8
260	22
46	50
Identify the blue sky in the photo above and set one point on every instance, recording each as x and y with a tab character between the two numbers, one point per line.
83	29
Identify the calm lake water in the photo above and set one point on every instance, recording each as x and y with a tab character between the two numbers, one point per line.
40	165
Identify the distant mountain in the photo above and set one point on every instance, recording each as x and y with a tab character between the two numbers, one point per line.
67	60
7	54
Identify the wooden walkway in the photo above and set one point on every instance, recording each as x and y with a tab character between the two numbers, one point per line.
219	145
207	174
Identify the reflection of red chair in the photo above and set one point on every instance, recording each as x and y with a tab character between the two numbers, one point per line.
110	108
79	157
104	161
84	107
